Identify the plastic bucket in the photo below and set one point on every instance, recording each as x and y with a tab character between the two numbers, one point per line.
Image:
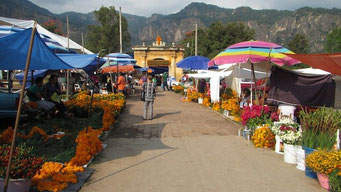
286	111
323	180
300	161
278	146
200	100
247	134
289	153
309	172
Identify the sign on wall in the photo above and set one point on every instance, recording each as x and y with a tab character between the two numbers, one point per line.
158	63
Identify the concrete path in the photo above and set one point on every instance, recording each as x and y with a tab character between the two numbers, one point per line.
185	148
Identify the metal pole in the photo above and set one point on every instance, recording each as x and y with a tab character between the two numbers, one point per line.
120	30
68	47
28	59
196	39
82	43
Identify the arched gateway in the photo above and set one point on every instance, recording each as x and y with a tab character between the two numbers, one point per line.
160	55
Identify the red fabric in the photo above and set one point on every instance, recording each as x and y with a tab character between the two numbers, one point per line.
113	69
326	62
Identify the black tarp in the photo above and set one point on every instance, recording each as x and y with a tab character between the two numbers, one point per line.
290	88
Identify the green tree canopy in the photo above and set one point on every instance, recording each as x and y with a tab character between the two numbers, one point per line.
333	43
217	37
299	44
106	35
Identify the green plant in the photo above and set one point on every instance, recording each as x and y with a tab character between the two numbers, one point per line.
320	127
24	163
335	180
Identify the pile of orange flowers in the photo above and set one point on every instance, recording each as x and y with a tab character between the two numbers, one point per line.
56	176
88	145
177	88
109	103
193	95
216	106
263	137
6	136
229	94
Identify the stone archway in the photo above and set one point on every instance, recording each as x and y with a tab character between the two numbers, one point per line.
160	55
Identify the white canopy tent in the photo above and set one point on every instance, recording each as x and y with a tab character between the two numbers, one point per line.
41	30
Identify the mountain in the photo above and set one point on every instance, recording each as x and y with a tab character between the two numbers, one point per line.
270	25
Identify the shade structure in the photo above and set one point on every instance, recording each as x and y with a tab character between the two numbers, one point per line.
113	69
14	48
327	62
254	52
120	58
194	63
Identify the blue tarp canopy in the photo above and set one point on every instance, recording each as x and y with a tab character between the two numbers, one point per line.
194	62
14	48
78	61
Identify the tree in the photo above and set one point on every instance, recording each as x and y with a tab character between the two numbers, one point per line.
217	37
106	35
333	43
299	44
54	26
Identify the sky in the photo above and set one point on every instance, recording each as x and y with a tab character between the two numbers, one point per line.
148	7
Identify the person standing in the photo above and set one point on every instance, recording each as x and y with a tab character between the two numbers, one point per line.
164	80
149	89
121	84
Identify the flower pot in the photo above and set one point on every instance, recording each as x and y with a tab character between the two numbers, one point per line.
15	185
289	153
279	145
200	100
247	134
323	180
226	113
309	172
300	159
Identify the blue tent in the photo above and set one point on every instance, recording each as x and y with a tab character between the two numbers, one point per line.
14	48
194	62
79	61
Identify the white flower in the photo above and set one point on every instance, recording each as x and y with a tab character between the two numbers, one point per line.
291	137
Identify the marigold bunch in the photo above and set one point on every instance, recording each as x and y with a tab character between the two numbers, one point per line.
323	161
206	102
6	136
177	88
231	105
263	137
216	106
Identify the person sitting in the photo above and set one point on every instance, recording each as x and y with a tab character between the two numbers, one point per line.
245	98
51	92
34	94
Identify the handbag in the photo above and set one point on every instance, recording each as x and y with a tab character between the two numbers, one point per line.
143	95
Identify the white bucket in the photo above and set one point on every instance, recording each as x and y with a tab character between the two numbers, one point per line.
289	153
226	113
286	111
300	158
279	145
200	100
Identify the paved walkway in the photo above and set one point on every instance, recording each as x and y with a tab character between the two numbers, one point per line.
185	148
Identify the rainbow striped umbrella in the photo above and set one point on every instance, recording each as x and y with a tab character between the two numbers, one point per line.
254	52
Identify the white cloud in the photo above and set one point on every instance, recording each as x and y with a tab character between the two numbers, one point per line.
148	7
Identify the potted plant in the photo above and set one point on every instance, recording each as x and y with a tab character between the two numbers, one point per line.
23	167
291	137
324	163
319	131
263	137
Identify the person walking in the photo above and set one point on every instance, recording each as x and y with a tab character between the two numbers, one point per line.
164	80
149	89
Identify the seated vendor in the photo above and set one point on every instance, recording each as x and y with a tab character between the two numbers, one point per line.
34	94
245	98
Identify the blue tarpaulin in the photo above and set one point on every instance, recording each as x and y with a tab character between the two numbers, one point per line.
14	49
194	62
78	61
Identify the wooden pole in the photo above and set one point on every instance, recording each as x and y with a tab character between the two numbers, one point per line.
266	78
254	80
28	59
